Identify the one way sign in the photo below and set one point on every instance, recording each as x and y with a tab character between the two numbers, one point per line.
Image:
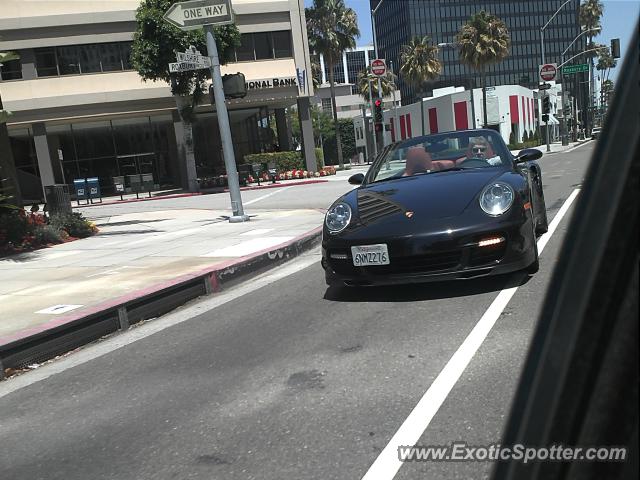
195	14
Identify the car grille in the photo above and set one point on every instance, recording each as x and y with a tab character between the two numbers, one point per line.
428	263
373	206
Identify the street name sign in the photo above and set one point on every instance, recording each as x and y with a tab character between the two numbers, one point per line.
544	86
378	67
570	69
547	72
197	13
184	66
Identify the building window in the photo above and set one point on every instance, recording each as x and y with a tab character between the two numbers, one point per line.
11	70
80	59
46	62
282	44
326	106
264	46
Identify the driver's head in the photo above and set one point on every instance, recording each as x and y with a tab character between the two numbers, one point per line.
478	147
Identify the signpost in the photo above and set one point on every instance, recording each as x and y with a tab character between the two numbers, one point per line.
378	67
207	13
544	86
571	69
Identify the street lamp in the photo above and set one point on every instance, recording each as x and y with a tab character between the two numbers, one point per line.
564	126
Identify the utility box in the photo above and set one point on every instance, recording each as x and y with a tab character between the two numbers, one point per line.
80	186
57	199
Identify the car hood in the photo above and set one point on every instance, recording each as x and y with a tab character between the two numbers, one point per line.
434	195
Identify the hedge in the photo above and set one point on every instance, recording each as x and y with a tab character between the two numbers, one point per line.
283	161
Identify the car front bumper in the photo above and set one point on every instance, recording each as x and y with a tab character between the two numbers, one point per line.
434	257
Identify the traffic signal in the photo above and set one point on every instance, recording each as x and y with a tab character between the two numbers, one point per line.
615	47
377	110
566	112
545	117
546	106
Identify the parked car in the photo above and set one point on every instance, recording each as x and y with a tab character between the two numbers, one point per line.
595	131
453	205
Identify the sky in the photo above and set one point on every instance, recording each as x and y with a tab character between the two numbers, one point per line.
618	21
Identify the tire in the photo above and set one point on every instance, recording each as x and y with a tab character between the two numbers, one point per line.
542	223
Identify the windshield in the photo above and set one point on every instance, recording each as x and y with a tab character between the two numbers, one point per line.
435	153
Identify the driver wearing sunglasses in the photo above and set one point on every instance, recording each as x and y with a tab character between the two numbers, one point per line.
479	148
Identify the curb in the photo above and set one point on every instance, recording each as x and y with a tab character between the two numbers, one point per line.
63	334
195	194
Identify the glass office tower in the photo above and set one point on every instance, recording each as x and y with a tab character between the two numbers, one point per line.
400	20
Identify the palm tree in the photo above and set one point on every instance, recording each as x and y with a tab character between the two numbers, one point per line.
589	17
332	28
9	187
482	41
366	78
419	62
605	61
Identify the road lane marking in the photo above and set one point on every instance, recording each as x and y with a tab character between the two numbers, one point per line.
256	232
114	342
386	466
266	196
58	309
248	247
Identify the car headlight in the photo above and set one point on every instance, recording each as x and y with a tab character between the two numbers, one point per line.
338	217
496	198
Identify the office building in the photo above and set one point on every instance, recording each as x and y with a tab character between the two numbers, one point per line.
400	20
81	110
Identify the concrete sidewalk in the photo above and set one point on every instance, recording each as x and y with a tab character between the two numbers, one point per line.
134	252
557	147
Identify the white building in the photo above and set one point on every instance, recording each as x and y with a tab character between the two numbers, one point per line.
510	109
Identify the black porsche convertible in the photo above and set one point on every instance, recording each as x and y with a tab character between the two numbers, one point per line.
454	205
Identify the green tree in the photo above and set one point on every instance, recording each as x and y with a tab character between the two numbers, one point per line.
332	28
605	62
419	62
9	186
155	43
366	78
348	138
589	17
322	126
482	41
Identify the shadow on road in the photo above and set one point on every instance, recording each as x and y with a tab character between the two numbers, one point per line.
426	291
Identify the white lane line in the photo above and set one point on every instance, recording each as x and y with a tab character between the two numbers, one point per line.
248	247
256	232
387	464
115	342
266	196
58	309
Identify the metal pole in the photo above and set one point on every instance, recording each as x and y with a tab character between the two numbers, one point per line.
225	130
395	110
375	140
375	41
542	44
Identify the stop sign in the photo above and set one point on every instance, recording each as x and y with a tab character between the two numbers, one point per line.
378	67
548	72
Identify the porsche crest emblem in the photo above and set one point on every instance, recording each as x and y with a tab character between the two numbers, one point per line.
408	214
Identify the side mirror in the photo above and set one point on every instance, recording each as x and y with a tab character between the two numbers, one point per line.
356	179
528	155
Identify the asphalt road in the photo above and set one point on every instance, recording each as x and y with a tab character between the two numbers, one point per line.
282	378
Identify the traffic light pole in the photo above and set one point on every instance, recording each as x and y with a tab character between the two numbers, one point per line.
546	125
373	128
238	215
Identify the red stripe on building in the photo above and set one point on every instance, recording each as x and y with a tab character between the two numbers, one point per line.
460	113
403	128
513	109
409	131
433	120
524	115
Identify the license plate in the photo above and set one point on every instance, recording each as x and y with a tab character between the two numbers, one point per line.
364	255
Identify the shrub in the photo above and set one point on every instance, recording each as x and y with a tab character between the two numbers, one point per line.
525	137
46	234
75	225
283	160
512	138
319	159
14	227
532	137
